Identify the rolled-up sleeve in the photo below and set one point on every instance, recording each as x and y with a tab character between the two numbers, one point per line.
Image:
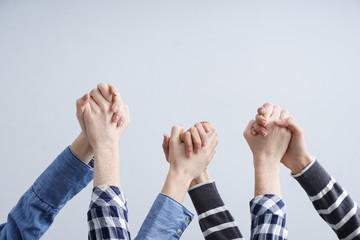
108	214
268	218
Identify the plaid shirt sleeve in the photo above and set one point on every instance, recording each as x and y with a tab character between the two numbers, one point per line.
107	216
268	218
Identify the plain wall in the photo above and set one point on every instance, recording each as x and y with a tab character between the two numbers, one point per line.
179	62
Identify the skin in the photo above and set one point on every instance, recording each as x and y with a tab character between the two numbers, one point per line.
183	169
81	146
268	152
203	131
296	158
104	132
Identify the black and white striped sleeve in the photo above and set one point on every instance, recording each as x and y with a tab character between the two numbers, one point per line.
331	201
215	220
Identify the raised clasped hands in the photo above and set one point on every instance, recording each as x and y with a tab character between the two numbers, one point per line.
268	150
296	158
102	115
189	154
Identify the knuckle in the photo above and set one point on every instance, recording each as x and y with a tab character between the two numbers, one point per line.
93	91
193	130
267	104
102	85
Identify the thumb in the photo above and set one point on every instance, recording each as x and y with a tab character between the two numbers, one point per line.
175	133
247	131
165	146
80	103
87	111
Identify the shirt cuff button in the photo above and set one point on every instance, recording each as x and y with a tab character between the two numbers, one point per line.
187	220
179	231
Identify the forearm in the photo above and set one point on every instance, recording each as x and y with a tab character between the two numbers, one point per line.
167	219
107	166
37	208
268	218
107	215
176	185
215	220
267	180
82	149
331	201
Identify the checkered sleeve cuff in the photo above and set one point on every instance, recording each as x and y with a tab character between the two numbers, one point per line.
107	216
268	217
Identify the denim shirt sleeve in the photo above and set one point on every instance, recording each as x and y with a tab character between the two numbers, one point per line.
35	211
167	219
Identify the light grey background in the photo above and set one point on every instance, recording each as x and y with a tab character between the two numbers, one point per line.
178	62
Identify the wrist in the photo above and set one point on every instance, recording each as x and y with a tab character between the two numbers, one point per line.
266	163
179	175
301	163
176	185
204	177
106	147
82	149
267	182
107	167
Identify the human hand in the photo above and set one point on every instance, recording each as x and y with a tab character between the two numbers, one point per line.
116	102
193	166
102	126
269	150
184	169
296	157
194	138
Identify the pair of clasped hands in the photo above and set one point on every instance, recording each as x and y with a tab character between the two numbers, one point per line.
273	137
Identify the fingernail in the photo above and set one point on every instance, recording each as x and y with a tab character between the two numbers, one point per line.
253	132
116	93
115	108
116	118
84	97
189	154
264	132
121	123
264	122
206	129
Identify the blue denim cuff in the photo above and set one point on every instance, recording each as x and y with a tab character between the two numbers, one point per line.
167	219
64	178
